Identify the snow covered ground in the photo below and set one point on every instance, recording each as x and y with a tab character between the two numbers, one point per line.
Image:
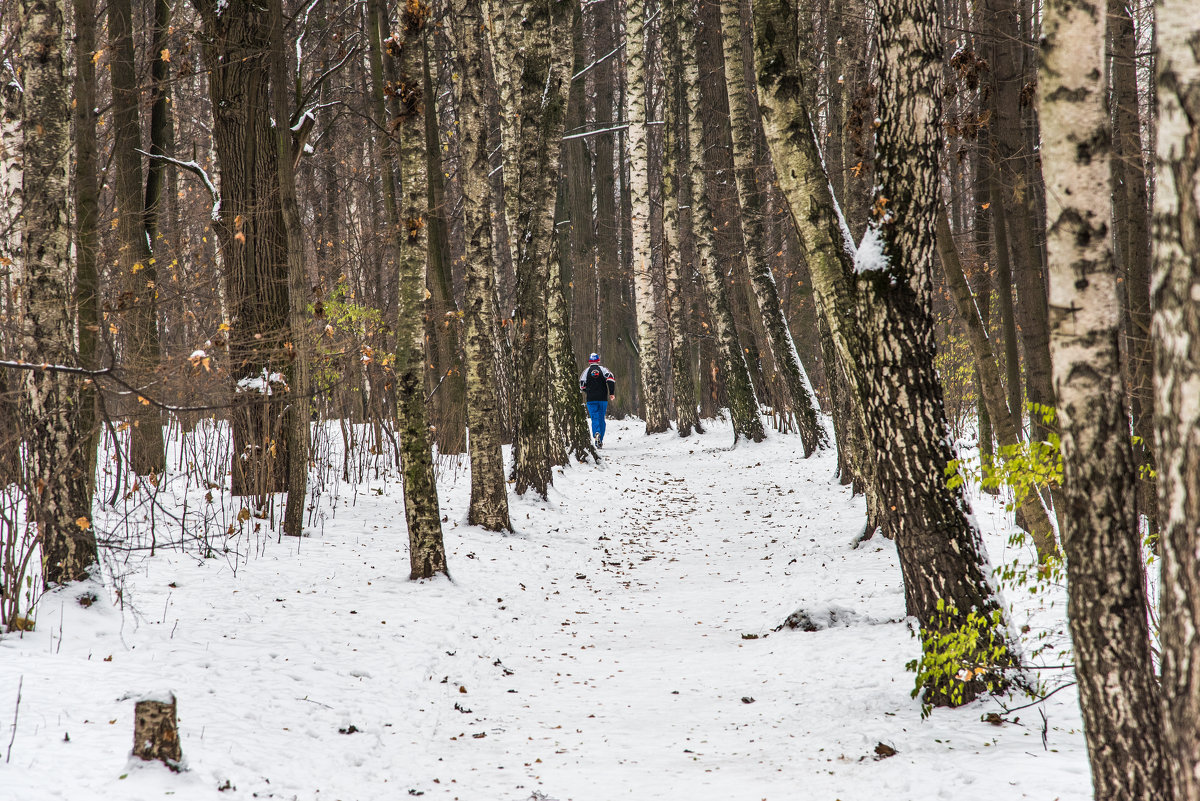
621	645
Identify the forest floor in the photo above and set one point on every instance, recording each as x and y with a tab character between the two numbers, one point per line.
622	644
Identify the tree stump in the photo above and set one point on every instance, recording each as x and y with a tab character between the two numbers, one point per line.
155	732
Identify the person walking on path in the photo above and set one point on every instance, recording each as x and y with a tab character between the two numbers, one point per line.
599	387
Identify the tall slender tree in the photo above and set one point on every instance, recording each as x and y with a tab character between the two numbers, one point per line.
637	116
136	263
1105	580
55	479
489	499
1177	385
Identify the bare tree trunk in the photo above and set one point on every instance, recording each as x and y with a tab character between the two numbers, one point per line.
55	478
542	99
677	191
297	416
1106	600
743	108
87	232
1131	237
743	405
136	264
253	241
489	498
637	115
1177	376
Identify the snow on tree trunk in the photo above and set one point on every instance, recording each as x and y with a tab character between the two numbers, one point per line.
743	405
55	478
1177	386
637	108
489	498
1105	580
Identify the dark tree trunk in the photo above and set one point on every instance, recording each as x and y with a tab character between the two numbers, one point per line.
252	237
136	265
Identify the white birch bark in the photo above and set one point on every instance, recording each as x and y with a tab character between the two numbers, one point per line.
1176	335
637	105
1106	601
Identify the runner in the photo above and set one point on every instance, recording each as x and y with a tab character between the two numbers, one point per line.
599	387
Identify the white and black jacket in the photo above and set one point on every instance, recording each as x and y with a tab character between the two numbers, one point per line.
597	382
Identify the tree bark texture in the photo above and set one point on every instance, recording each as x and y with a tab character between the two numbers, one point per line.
637	115
743	405
252	238
541	97
1020	191
296	418
1177	386
742	103
489	498
941	553
677	192
156	732
1131	240
427	554
55	478
1105	580
87	231
136	264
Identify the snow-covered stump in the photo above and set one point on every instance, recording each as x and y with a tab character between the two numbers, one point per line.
155	731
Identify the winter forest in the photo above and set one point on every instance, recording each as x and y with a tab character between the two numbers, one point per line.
881	479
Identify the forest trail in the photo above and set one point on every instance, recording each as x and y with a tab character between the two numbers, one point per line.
621	644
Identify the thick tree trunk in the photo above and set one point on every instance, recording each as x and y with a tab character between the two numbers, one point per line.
743	112
55	477
489	498
743	405
1177	385
1105	580
136	264
252	238
542	100
637	115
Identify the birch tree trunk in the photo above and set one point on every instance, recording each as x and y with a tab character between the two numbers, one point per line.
55	480
1106	600
743	405
637	115
136	264
409	221
542	99
882	325
745	135
489	498
677	191
1177	385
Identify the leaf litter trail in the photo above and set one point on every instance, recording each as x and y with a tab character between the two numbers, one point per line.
622	644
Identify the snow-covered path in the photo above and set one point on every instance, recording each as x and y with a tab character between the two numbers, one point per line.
623	644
